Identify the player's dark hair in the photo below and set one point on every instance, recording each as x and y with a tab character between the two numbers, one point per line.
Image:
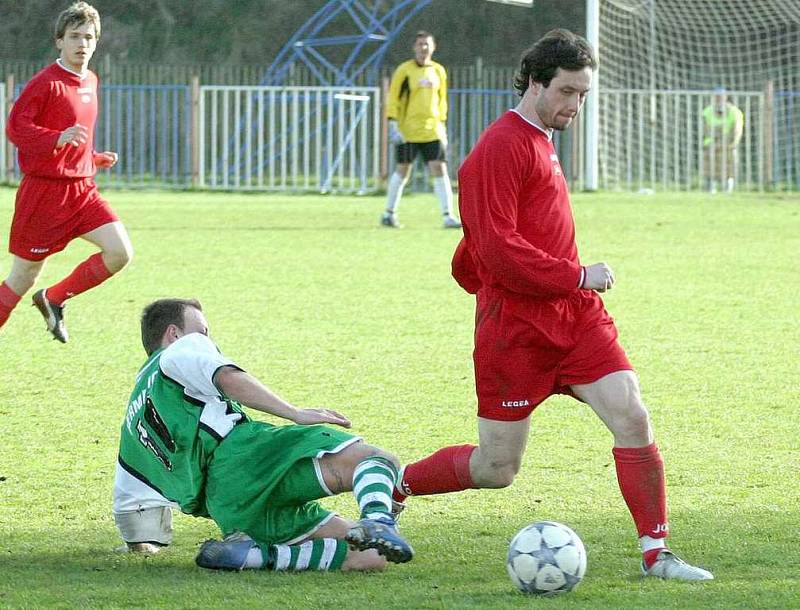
556	49
159	315
424	34
75	16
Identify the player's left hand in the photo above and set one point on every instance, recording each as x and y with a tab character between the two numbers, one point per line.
106	159
307	417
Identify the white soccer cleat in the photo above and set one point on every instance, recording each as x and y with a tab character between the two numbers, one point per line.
451	223
670	567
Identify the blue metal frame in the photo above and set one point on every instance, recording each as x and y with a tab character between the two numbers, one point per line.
376	24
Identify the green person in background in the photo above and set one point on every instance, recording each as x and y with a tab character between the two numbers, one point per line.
723	126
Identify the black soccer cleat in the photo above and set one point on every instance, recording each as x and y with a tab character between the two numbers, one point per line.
381	535
52	314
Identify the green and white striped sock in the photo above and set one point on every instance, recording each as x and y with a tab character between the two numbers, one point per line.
323	554
373	482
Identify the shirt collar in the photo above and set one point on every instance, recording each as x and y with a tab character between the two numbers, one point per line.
546	132
80	75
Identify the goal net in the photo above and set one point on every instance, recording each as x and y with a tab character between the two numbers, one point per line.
663	63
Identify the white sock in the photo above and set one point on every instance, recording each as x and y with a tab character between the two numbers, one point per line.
730	185
441	186
394	191
255	559
648	544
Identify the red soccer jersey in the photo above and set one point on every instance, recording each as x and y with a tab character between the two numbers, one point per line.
52	101
519	233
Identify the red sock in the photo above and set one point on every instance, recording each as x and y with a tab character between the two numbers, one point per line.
442	472
649	557
85	276
640	472
8	301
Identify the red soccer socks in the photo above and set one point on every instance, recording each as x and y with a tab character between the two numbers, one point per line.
640	473
441	472
8	300
87	275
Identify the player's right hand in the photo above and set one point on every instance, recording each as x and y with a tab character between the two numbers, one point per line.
599	277
307	417
75	135
395	136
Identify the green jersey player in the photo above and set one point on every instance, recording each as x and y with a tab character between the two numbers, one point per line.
187	443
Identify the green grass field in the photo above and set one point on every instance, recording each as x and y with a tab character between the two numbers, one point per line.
312	296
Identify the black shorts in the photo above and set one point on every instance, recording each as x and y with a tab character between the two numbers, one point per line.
430	151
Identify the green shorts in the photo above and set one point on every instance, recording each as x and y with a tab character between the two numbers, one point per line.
264	480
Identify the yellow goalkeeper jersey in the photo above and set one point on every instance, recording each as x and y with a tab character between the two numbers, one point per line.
418	101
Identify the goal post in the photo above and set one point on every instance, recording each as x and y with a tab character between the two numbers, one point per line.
661	65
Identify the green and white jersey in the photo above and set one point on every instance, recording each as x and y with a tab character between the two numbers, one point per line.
175	420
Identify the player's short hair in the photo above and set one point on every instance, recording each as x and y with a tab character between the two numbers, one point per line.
424	34
76	15
556	49
159	315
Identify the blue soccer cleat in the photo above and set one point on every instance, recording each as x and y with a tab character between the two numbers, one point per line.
382	535
228	554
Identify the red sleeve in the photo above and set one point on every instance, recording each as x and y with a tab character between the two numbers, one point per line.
490	188
22	129
464	270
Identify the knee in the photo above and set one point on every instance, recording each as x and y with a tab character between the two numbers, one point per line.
634	424
361	451
370	452
22	280
494	474
501	476
437	169
117	259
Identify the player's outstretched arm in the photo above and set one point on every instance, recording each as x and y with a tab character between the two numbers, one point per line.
249	391
598	277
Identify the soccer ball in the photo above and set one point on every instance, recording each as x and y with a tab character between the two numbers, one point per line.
546	558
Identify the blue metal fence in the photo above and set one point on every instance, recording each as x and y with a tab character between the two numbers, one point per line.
150	126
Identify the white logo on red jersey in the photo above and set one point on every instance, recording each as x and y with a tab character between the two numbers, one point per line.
86	94
556	164
516	403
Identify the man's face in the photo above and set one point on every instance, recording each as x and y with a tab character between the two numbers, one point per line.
193	322
423	49
77	46
559	103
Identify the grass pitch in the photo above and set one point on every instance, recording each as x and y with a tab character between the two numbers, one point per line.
309	294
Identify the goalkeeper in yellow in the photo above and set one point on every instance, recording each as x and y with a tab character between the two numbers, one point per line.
723	125
417	113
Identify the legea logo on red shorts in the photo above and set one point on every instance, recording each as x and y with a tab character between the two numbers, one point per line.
515	403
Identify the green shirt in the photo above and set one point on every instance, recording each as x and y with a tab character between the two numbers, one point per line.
723	124
175	420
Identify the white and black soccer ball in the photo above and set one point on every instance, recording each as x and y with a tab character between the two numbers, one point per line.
546	558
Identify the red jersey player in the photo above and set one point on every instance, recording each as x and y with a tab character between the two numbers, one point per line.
52	125
541	327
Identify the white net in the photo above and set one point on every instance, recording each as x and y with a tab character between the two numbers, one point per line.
660	64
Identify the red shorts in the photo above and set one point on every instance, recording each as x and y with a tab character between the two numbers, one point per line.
49	213
528	349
